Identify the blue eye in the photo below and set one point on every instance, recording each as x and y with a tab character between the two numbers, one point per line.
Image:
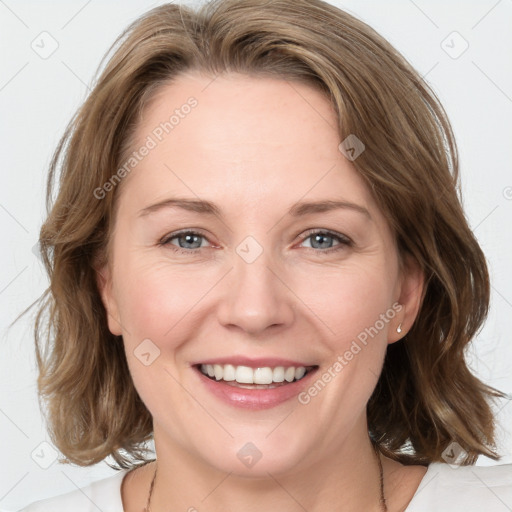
322	241
188	241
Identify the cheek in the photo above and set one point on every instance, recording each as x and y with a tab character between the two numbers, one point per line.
156	308
155	299
348	300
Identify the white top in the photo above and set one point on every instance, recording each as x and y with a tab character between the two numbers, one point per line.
443	489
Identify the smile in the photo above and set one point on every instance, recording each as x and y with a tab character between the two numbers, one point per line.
257	387
254	376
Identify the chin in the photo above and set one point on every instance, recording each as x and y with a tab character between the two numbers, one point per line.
256	455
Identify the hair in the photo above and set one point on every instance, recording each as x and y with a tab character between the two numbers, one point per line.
426	396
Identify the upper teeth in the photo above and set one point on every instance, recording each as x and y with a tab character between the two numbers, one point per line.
248	375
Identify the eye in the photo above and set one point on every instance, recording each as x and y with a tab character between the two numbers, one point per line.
325	241
187	241
321	241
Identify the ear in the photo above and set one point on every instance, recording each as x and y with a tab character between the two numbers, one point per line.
105	287
409	296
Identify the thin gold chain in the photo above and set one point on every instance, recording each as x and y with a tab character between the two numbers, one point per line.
381	471
147	507
382	499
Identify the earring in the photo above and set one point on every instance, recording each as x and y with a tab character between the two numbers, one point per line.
399	328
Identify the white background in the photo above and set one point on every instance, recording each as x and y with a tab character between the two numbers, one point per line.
38	97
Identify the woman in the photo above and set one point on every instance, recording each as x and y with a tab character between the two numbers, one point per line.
259	260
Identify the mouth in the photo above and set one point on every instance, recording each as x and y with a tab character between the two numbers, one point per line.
246	377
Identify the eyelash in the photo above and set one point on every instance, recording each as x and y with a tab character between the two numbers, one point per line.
343	240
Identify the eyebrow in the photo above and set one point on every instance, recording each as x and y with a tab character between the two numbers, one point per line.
297	210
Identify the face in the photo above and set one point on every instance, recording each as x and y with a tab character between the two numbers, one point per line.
225	251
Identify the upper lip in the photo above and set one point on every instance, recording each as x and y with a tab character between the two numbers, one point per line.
261	362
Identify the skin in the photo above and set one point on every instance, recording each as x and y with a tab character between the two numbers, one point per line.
254	147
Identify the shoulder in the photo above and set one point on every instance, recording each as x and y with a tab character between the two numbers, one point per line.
104	495
464	488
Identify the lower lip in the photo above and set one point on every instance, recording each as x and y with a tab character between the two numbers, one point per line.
255	399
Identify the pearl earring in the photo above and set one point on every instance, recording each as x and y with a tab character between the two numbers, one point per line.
399	328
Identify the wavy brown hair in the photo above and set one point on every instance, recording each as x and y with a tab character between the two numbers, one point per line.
426	396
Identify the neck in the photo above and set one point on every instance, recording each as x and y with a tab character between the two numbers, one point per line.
348	475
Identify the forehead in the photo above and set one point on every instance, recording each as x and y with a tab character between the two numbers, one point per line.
249	140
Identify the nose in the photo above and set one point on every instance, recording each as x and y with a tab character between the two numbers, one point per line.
255	297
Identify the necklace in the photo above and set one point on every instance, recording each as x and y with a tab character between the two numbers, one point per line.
382	499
